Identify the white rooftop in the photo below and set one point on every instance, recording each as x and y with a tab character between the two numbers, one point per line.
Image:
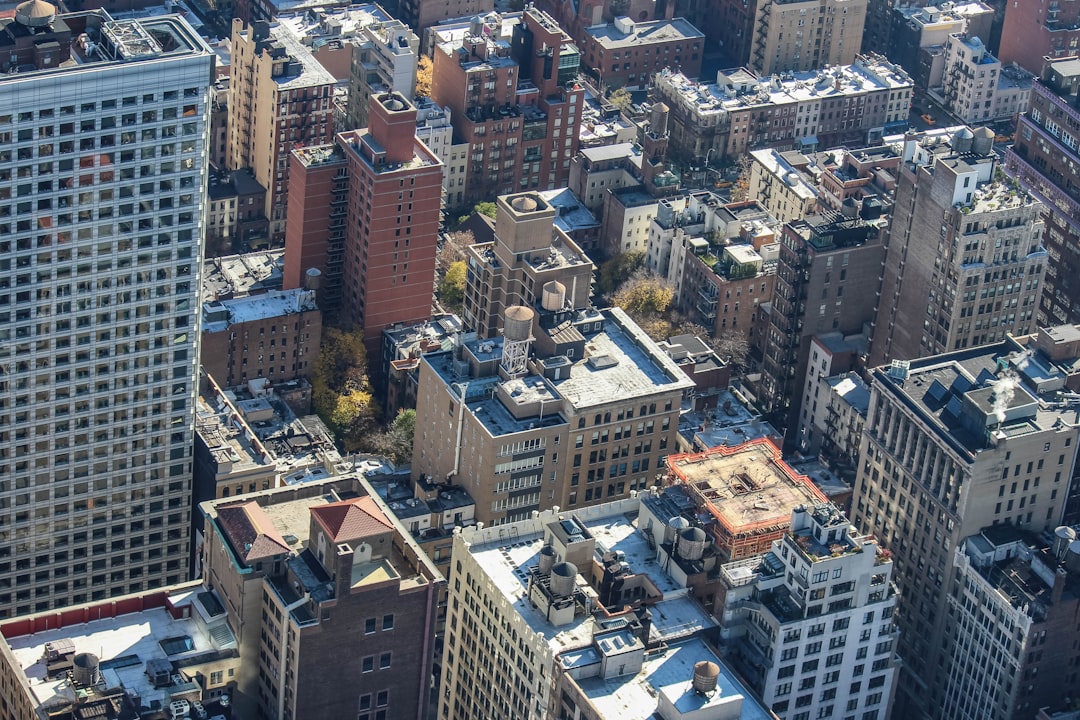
277	303
127	641
634	697
507	560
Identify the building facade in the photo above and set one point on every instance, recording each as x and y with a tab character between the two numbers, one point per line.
810	624
509	84
625	53
1037	29
102	283
969	233
280	98
976	86
955	443
806	34
1046	160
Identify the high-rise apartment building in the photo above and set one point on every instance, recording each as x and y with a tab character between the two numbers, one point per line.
806	34
280	97
809	623
966	256
103	167
365	212
422	14
509	82
827	280
1046	160
953	444
976	86
384	55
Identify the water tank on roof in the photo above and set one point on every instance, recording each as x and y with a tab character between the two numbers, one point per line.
706	675
312	278
547	558
1063	537
1072	557
554	296
983	142
35	13
692	543
517	323
84	669
524	203
563	576
962	140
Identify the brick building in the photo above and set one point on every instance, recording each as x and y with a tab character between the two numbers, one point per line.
510	86
1037	29
625	53
367	217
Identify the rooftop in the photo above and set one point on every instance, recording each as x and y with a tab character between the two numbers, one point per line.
746	487
668	673
730	422
219	315
113	42
610	36
507	564
125	643
240	275
307	71
572	215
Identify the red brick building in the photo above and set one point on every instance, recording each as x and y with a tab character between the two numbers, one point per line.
511	91
1035	29
627	53
378	193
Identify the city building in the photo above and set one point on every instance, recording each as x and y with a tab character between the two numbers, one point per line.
275	336
969	234
280	98
1045	158
976	87
402	347
853	105
219	123
102	175
779	183
864	175
235	206
587	419
1037	29
1031	588
574	219
421	15
596	169
509	81
332	602
809	623
709	372
747	492
916	28
434	129
827	280
561	615
383	59
835	399
234	276
365	218
955	443
529	251
625	53
791	35
135	656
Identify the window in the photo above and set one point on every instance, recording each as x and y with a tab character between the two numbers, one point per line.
369	626
382	699
368	664
388	622
384	661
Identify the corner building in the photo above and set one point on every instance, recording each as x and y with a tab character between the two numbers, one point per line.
953	444
103	168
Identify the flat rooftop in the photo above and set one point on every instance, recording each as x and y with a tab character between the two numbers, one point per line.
507	560
124	644
609	36
240	275
747	485
273	304
312	73
634	697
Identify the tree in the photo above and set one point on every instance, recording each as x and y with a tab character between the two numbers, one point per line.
621	98
486	208
424	72
453	249
733	348
341	393
741	190
644	293
451	289
617	270
396	442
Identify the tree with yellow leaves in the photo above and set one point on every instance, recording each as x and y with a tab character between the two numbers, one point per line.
341	393
424	70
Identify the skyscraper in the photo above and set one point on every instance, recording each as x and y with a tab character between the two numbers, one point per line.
103	147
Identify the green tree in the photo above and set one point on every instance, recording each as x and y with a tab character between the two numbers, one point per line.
617	270
486	208
397	442
451	290
341	393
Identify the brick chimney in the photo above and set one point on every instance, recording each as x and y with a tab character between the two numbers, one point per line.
392	122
